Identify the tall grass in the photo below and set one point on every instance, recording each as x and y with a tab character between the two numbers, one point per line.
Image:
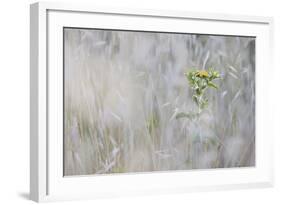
123	91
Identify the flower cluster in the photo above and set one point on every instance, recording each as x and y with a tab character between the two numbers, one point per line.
200	80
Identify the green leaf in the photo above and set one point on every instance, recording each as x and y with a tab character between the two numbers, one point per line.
195	99
204	103
210	84
198	91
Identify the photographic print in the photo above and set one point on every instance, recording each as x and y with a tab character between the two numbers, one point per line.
146	101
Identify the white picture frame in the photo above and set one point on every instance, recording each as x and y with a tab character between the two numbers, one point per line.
46	175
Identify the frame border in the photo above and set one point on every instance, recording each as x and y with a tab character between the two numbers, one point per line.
39	175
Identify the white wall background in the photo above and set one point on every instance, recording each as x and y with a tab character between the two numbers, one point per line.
14	101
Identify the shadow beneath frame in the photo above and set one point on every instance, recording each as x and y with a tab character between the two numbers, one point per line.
24	195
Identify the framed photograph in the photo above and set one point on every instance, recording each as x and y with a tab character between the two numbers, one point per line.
128	102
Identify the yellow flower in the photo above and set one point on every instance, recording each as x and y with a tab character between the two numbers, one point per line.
202	73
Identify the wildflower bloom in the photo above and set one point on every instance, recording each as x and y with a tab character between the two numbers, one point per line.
202	73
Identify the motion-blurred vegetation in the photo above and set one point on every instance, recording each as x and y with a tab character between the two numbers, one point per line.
128	107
